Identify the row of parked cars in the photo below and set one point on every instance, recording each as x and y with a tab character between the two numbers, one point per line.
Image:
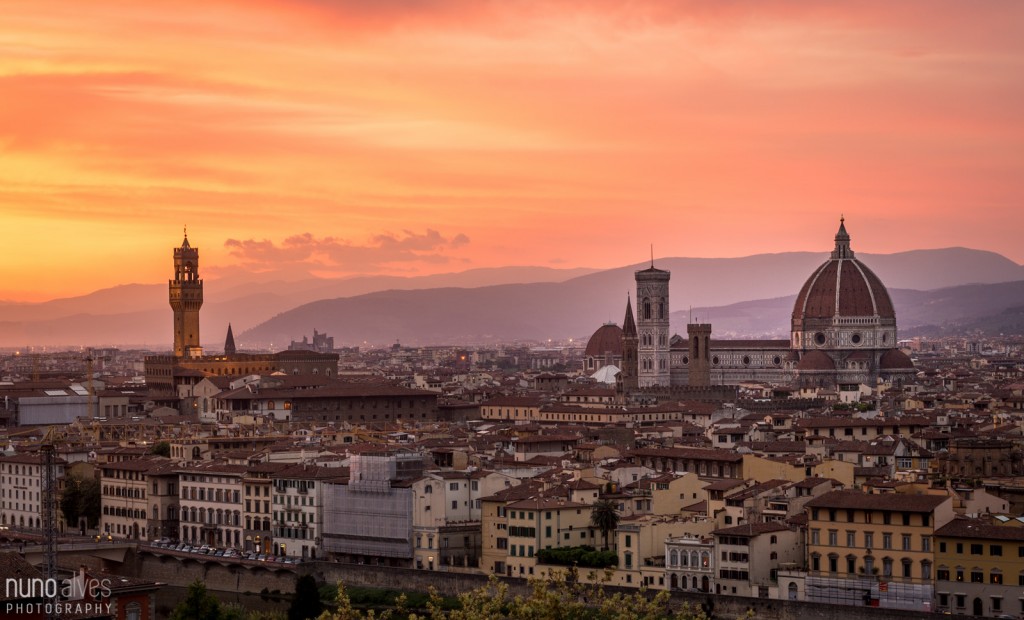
166	543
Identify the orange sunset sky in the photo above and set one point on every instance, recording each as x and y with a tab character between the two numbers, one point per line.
339	137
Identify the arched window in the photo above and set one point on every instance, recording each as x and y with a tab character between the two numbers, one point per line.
673	558
647	308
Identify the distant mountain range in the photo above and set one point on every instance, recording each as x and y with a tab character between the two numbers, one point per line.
748	296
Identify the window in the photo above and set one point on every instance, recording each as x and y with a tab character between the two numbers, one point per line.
851	539
833	563
851	564
886	540
815	537
926	543
906	542
995	577
977	575
833	538
977	549
869	540
815	562
995	550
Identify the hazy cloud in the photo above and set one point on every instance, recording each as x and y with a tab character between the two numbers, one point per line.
331	255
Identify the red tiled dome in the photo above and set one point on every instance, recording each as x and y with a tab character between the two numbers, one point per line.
816	360
894	359
607	339
843	286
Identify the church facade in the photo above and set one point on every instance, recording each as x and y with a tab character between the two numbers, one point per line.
843	333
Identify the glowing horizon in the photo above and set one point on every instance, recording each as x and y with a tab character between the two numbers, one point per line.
348	137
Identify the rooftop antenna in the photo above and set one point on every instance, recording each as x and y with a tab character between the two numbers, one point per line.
691	313
652	256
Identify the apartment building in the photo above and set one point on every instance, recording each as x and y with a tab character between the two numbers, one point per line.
127	505
749	557
257	531
979	567
447	511
211	504
873	549
21	489
543	523
298	509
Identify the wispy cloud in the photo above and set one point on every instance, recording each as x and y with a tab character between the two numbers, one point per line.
332	256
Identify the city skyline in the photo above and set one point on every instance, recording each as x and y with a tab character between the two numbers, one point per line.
346	138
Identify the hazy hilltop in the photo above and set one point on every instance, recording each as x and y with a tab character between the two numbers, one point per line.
739	295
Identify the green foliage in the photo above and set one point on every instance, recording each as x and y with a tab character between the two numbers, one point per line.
161	448
81	498
560	596
382	598
306	601
198	604
584	556
604	515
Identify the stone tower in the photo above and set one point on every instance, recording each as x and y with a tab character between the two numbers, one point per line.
699	364
652	327
627	382
186	297
229	342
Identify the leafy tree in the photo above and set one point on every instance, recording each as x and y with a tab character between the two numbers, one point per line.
81	498
583	557
306	601
198	604
604	515
161	448
559	596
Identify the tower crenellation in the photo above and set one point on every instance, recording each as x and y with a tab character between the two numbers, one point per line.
185	293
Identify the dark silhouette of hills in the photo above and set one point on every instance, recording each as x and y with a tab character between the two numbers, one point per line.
992	308
460	307
541	311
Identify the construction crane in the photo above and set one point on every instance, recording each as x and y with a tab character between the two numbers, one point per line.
49	498
90	408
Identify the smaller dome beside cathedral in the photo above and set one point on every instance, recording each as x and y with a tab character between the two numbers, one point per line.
894	359
607	339
816	360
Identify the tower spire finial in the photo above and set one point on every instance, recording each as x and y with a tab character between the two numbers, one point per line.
652	256
842	249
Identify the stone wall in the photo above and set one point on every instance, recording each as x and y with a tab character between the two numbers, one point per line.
235	578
